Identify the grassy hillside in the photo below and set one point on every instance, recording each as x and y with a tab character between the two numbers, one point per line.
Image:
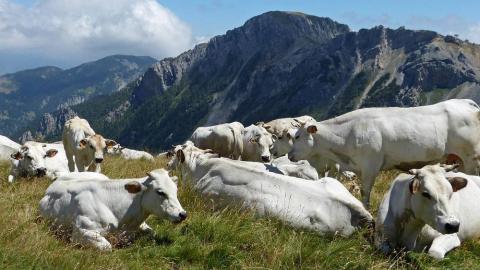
211	238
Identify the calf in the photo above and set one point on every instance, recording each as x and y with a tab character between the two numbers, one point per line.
95	207
368	140
82	143
38	159
128	154
324	206
429	209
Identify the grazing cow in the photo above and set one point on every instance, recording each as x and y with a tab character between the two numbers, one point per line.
284	129
128	154
95	207
368	140
7	148
429	209
82	143
232	140
324	206
38	159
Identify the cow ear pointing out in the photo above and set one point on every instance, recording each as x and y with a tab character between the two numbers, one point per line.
312	129
16	156
133	187
457	183
51	153
82	143
414	186
181	156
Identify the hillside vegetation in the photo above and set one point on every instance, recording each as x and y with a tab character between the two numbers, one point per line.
211	238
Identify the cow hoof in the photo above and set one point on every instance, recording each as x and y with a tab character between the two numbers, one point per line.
437	254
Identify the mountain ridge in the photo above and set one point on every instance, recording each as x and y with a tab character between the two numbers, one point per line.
282	64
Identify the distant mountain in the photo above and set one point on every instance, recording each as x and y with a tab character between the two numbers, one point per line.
283	64
26	95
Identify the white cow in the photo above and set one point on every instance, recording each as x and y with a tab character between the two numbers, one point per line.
38	159
300	169
68	176
7	148
429	209
82	143
233	140
128	154
95	207
284	129
368	140
324	205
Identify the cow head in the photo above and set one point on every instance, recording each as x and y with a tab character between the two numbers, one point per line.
30	159
94	146
184	153
302	148
430	197
258	143
284	142
115	149
159	195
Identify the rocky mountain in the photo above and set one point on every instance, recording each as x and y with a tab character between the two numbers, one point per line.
283	64
26	95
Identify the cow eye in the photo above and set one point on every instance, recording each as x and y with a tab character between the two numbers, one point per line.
91	146
161	193
426	195
296	137
28	157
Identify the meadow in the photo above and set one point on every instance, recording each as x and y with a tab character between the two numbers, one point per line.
212	237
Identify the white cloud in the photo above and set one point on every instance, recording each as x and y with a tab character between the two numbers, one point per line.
473	33
74	31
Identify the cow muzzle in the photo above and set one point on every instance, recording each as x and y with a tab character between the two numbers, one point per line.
41	172
265	158
452	227
181	217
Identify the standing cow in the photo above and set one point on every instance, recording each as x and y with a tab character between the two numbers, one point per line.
368	140
94	207
252	143
81	142
429	209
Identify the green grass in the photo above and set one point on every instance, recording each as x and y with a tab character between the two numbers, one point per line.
213	237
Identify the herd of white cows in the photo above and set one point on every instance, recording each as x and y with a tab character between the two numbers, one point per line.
273	168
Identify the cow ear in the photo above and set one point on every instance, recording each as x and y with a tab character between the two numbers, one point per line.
457	183
414	186
17	156
181	156
51	153
110	143
312	129
133	187
265	126
83	143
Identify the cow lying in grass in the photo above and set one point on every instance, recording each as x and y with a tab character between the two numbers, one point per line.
324	206
38	160
128	154
429	209
95	207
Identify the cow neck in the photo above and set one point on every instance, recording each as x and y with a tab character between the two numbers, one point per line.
140	197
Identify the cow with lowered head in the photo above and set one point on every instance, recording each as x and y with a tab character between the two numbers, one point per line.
83	144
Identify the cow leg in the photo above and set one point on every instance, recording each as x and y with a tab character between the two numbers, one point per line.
90	238
368	174
443	244
80	165
145	228
71	164
98	168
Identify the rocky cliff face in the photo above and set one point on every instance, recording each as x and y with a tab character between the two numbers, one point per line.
282	64
26	95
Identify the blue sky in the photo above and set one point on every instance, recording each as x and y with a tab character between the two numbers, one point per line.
69	32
